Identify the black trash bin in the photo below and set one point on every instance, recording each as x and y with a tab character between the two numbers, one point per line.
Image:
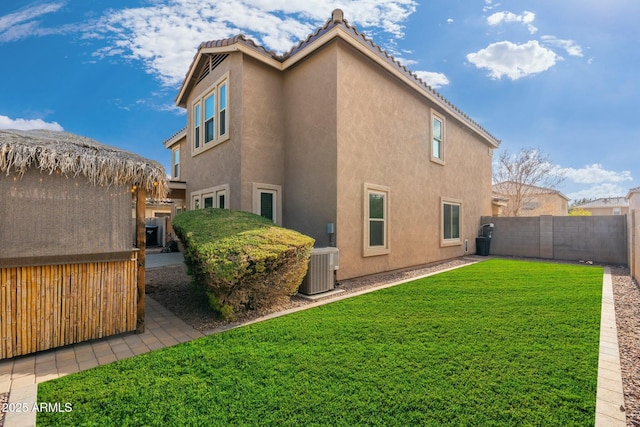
483	245
152	235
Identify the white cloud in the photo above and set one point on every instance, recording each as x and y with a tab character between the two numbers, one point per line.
450	21
435	80
165	36
600	182
514	60
595	174
24	23
25	124
488	5
599	191
526	18
570	46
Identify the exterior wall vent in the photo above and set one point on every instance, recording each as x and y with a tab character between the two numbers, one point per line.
320	276
212	62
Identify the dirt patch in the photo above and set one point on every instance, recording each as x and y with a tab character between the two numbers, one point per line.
171	287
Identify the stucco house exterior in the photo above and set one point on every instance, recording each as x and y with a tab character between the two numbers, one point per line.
633	198
534	200
337	140
606	206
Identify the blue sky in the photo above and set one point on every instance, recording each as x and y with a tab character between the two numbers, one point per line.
557	75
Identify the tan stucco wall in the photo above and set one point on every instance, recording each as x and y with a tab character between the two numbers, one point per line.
624	210
634	200
547	204
325	127
384	139
262	144
54	215
310	159
222	163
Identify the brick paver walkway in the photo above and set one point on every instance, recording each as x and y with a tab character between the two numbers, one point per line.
20	375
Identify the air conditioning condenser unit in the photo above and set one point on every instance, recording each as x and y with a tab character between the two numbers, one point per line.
320	275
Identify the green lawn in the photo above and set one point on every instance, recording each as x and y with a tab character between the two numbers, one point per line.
499	343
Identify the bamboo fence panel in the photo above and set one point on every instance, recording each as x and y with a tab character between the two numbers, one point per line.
48	306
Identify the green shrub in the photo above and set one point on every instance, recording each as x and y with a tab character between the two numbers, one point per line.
243	261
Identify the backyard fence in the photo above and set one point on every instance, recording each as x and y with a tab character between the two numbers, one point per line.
634	243
51	305
601	239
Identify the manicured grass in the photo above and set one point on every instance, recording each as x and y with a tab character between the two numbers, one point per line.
499	343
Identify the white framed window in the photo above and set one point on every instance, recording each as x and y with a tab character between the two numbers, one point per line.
437	137
175	161
210	117
451	222
617	211
267	201
375	235
196	126
215	197
222	108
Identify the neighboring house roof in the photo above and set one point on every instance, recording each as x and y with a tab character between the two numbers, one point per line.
69	154
633	190
504	188
182	133
606	202
336	27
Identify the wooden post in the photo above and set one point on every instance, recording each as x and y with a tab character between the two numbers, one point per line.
141	239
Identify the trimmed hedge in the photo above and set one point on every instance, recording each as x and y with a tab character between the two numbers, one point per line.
243	261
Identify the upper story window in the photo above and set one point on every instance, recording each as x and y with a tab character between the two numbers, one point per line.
175	161
196	129
437	138
210	118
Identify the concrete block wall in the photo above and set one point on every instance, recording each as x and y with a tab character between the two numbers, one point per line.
634	243
515	236
601	239
596	238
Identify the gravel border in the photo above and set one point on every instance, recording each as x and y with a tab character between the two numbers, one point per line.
626	297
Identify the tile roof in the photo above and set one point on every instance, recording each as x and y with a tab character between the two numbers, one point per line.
175	137
337	20
506	187
605	202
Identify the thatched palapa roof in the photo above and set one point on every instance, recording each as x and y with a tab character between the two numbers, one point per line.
74	155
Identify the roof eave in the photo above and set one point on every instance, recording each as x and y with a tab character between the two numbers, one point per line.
335	28
181	99
342	32
175	138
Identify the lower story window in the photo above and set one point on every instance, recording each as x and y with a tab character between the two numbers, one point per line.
215	197
267	201
376	220
451	222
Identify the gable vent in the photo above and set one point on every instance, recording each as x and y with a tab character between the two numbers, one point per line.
212	62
